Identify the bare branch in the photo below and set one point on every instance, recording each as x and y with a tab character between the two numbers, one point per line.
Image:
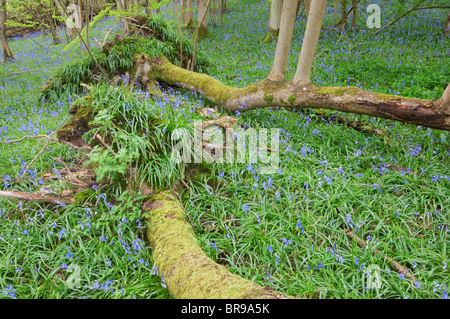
39	197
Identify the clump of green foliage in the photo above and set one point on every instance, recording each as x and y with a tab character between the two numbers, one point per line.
138	137
117	57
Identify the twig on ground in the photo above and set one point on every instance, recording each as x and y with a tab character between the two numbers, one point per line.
34	159
73	179
33	136
106	145
398	268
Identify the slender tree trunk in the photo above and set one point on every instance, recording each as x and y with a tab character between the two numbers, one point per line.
308	51
51	23
202	19
212	12
175	9
354	9
6	51
344	12
201	16
88	9
284	41
223	6
121	7
307	6
60	8
190	15
184	13
80	4
55	37
274	20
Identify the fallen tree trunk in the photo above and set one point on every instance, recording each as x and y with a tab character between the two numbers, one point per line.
429	113
187	271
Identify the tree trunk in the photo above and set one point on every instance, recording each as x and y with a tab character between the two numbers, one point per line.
202	18
55	37
307	6
344	12
274	20
284	41
6	51
61	10
223	6
51	23
212	12
189	14
354	9
183	264
88	9
184	13
202	15
121	7
309	45
433	114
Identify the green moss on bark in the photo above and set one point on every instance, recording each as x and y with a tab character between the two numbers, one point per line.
186	269
337	90
292	98
271	36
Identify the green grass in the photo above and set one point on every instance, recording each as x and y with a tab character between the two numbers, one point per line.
282	230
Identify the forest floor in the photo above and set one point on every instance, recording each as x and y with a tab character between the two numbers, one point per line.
284	230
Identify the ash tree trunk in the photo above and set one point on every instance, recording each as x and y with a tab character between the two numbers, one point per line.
307	7
278	71
274	20
187	14
6	51
125	22
276	91
202	18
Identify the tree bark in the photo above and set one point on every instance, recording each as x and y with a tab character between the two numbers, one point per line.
6	51
309	45
184	13
187	271
202	18
354	9
274	20
124	22
223	6
344	12
284	41
307	7
267	93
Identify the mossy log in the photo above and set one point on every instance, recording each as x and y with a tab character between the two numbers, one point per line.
187	271
428	113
